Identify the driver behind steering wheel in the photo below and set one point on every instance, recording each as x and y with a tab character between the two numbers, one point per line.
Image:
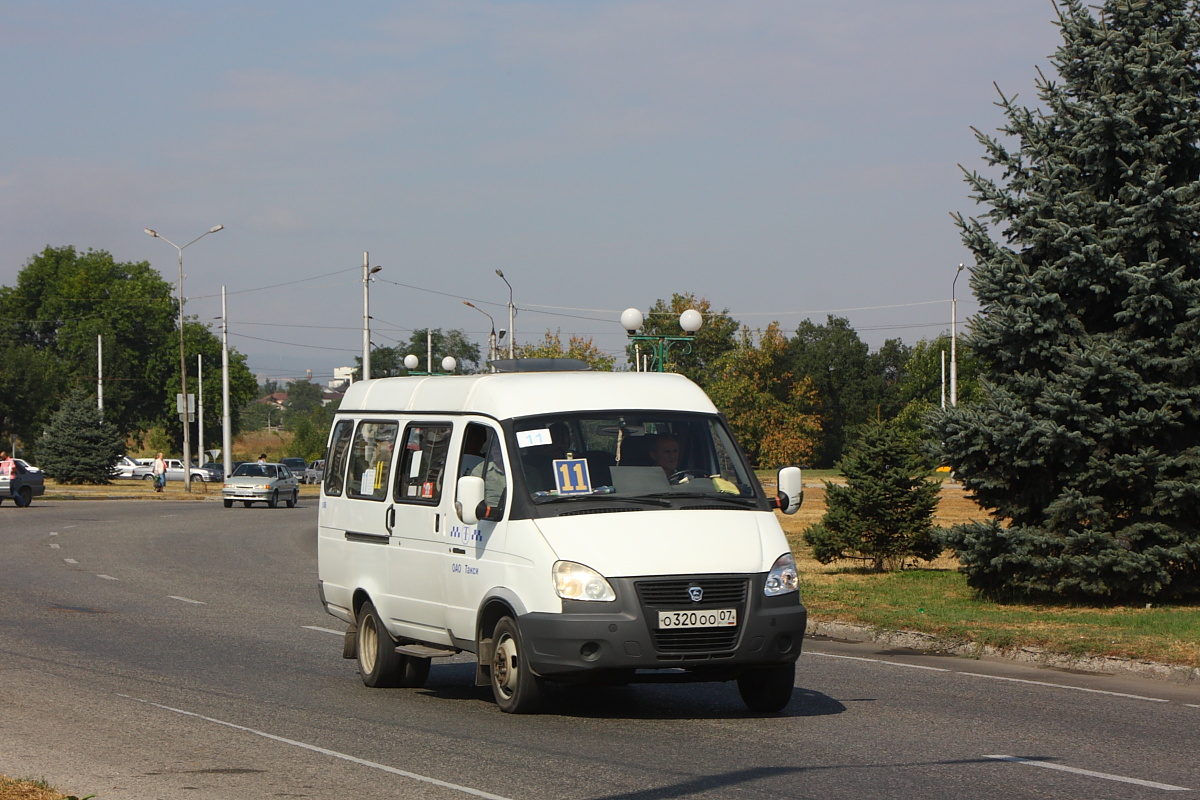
664	453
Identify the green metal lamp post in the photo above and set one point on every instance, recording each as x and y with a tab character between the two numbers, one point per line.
689	321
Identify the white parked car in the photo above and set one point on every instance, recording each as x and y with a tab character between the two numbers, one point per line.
175	471
127	467
315	472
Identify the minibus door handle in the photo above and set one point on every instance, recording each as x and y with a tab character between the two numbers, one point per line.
389	519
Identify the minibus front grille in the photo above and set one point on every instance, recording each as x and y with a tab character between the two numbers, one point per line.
675	594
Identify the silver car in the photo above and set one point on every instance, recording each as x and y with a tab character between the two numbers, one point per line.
261	483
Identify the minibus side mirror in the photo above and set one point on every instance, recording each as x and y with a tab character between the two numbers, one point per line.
470	498
791	490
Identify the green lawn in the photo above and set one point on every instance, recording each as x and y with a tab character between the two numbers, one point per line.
938	601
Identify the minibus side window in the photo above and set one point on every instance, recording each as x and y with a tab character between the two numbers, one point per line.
422	467
371	460
335	459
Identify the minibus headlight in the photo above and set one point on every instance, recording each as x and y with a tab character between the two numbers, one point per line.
576	582
783	578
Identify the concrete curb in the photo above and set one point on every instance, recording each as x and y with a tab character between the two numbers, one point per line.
926	642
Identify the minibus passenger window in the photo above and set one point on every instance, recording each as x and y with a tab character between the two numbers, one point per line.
335	461
423	463
371	460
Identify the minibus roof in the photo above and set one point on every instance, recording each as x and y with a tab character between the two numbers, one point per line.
522	394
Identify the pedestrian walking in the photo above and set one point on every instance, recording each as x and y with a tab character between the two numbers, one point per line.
160	473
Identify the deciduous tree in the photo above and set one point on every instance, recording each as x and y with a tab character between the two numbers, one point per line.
773	414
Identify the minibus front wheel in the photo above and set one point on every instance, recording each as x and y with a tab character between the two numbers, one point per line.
516	688
767	689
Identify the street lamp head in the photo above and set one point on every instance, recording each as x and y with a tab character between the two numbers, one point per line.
151	232
448	364
216	228
631	320
374	270
411	362
500	273
690	321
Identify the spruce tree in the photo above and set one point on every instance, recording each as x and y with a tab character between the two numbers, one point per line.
1086	447
78	446
883	515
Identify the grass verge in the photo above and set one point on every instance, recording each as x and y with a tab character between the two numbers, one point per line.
936	600
30	789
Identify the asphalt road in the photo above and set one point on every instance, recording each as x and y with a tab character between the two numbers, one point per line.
157	649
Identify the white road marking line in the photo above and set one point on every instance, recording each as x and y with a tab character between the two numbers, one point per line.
1029	762
324	630
1066	686
68	527
107	577
335	754
881	661
54	546
1191	705
71	560
54	533
186	600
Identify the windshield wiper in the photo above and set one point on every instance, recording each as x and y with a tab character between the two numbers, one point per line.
651	500
745	502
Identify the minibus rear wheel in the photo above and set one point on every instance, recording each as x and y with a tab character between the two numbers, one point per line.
516	688
767	689
378	662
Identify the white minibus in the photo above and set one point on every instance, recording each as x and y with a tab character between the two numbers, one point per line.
568	526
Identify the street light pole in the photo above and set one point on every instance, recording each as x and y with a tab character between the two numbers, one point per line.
954	340
226	422
492	335
510	312
187	436
368	271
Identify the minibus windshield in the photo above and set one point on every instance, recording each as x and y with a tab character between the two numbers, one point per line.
631	454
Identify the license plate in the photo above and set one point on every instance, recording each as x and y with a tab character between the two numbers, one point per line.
710	618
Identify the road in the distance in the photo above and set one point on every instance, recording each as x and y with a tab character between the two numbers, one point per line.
178	650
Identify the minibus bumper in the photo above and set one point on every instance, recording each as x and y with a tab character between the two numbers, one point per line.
625	635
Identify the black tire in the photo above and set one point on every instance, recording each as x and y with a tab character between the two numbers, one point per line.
378	662
228	503
768	689
247	503
148	477
26	497
274	501
291	501
516	688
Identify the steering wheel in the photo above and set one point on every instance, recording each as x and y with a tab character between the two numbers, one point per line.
678	476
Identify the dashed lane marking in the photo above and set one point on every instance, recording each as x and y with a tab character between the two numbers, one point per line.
1066	686
186	600
324	630
1030	762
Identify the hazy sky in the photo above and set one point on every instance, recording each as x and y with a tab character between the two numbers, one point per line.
785	160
